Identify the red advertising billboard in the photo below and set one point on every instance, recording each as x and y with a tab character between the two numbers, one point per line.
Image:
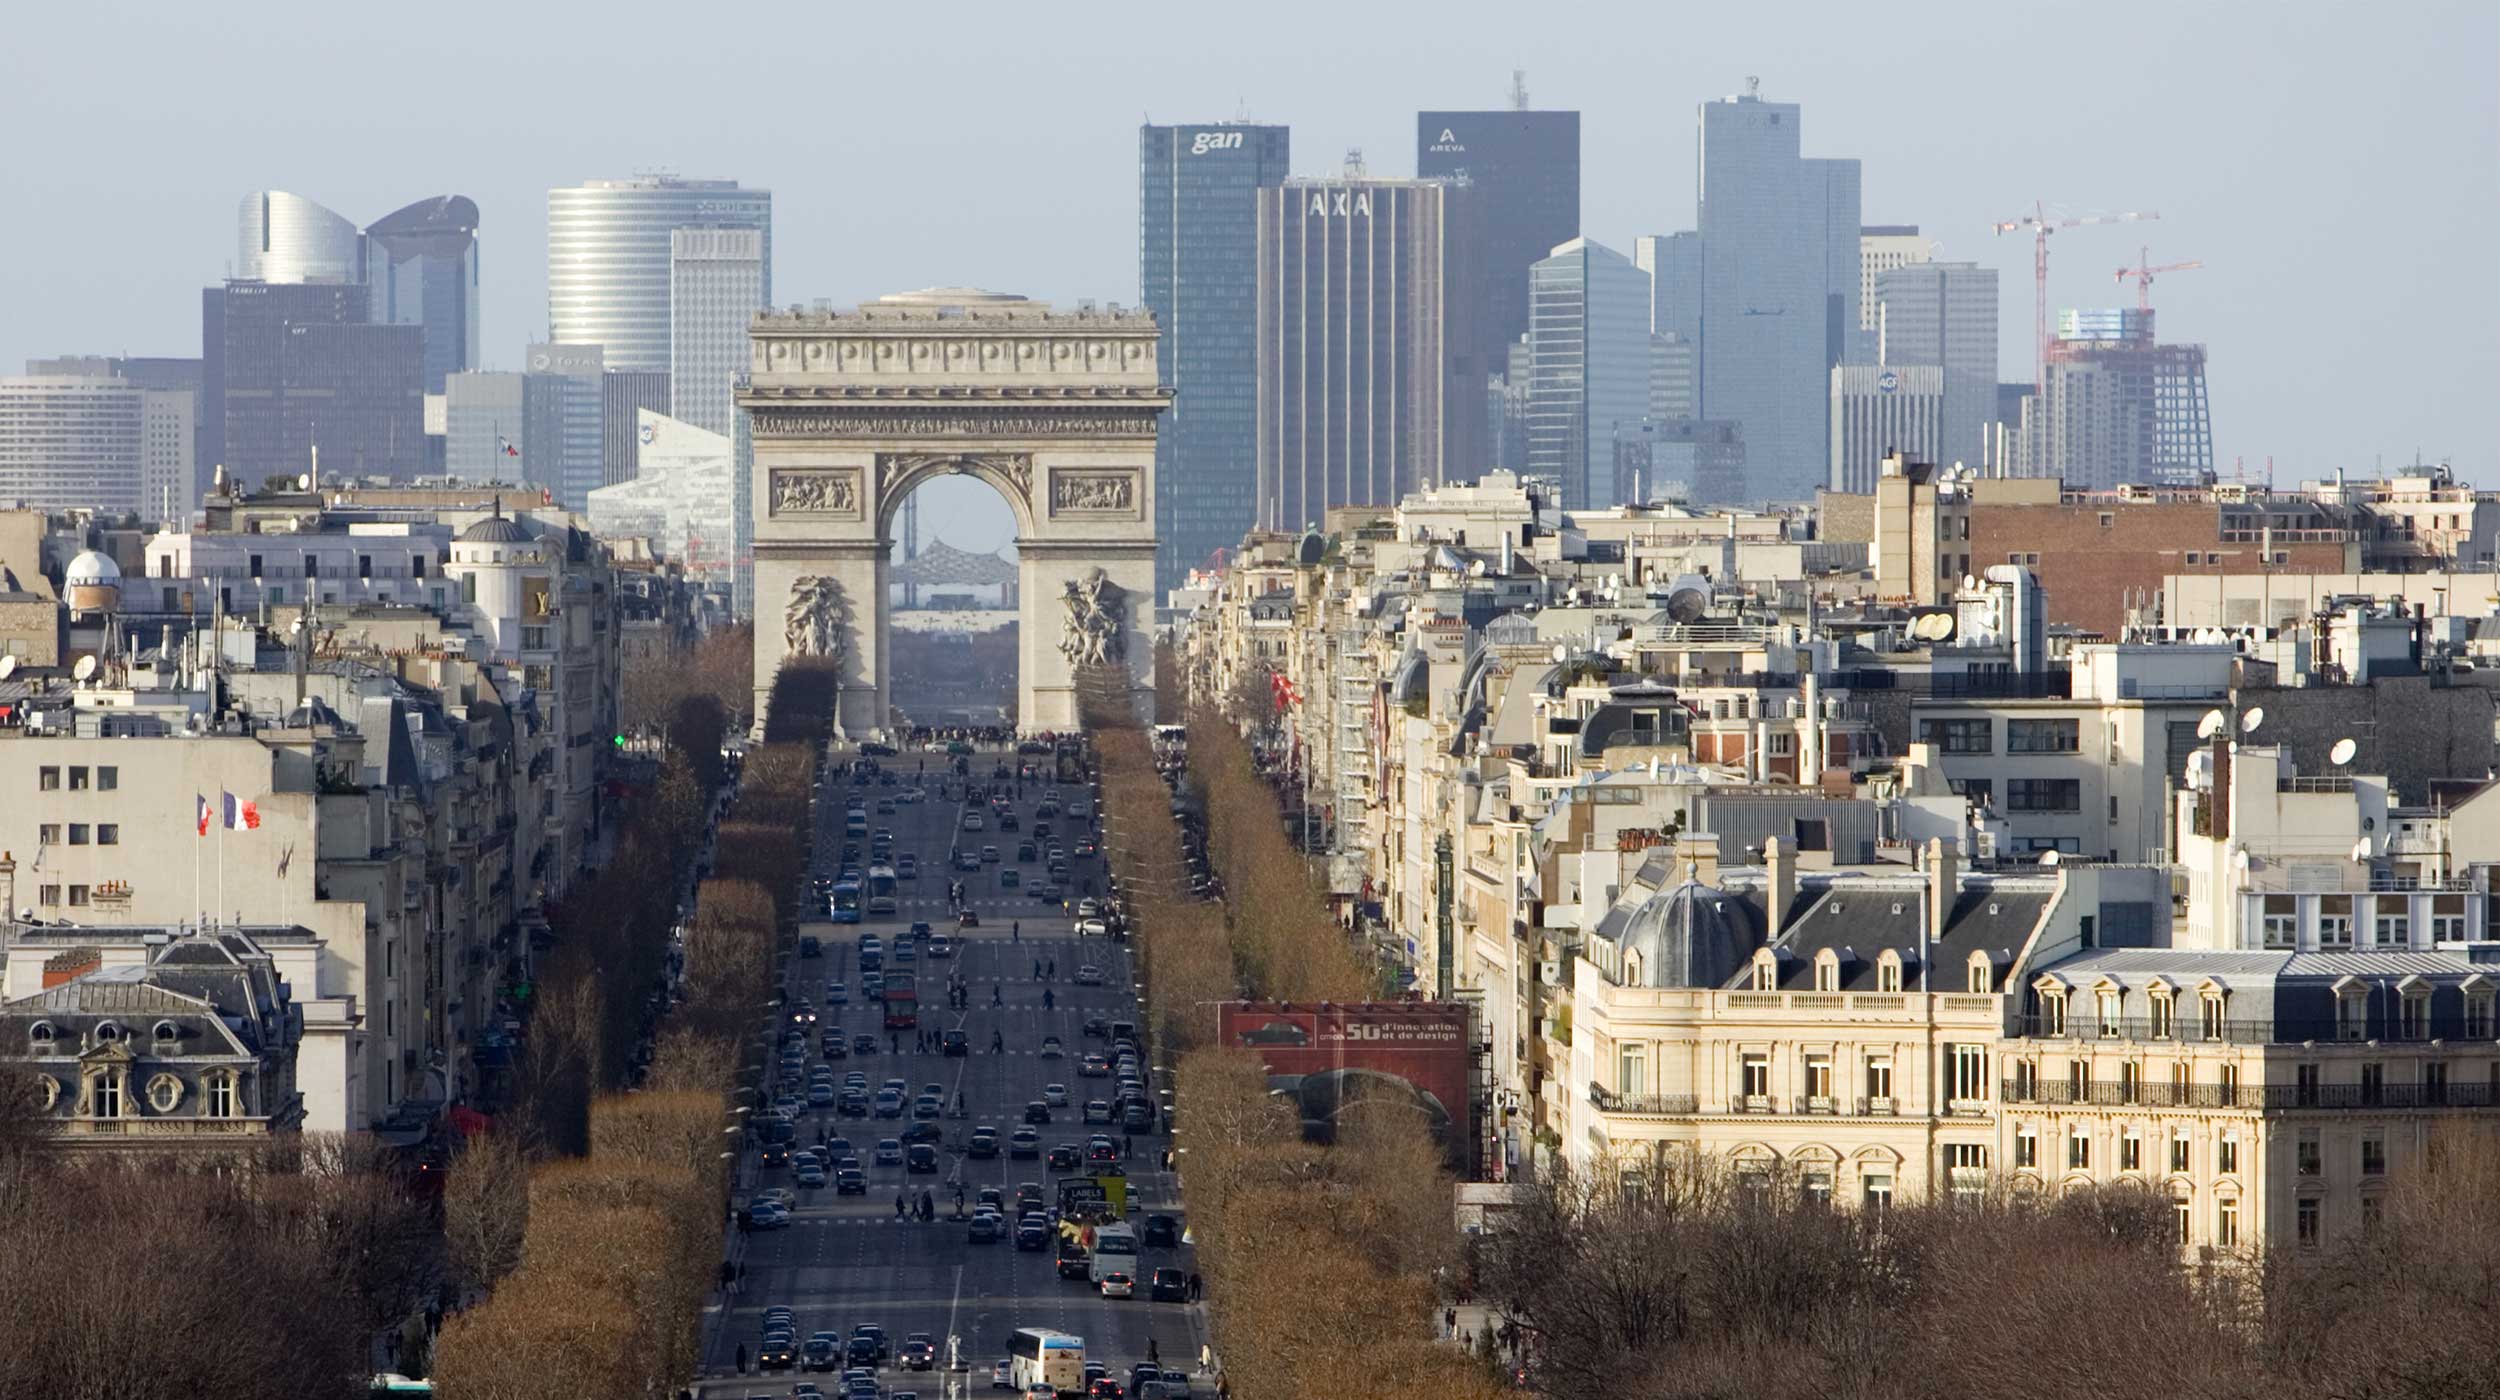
1414	1054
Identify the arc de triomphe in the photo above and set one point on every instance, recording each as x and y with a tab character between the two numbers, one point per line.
1056	410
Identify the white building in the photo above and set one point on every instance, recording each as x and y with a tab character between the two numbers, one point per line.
716	285
1881	248
1880	410
684	502
96	442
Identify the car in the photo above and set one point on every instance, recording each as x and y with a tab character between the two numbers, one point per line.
871	984
768	1215
907	866
1175	1384
1028	1196
1003	1374
991	1198
1038	1111
923	1132
775	1356
1098	1111
1051	1048
889	1152
984	1144
986	1228
863	1044
810	946
1092	928
811	1176
966	860
1160	1231
852	1104
1116	1284
1168	1286
823	1352
1085	849
1089	976
919	1352
1027	853
1097	1027
889	1104
968	919
974	821
925	1108
1055	1095
941	947
1145	1373
1024	1142
821	1094
875	1334
1086	908
1066	1157
956	1043
850	1181
1009	878
1032	1236
776	1155
1137	1116
1095	1065
1043	891
920	1158
1101	1152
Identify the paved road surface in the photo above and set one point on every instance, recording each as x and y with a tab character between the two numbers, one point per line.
847	1260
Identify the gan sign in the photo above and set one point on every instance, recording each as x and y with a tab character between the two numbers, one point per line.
1409	1056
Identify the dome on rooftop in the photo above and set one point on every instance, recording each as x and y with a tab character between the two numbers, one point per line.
495	529
92	569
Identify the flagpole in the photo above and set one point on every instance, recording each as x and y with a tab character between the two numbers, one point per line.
221	868
195	863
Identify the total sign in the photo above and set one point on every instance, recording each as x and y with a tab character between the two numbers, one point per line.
1202	142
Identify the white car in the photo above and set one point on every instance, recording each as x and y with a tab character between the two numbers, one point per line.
1056	1095
1052	1049
1089	976
1092	928
1118	1285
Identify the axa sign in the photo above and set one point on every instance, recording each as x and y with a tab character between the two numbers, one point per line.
1205	141
1449	143
1341	202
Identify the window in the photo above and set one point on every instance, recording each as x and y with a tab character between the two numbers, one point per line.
1982	978
2373	1155
2026	1082
2078	1148
2227	1223
2159	1003
2335	921
2108	518
1980	791
1819	1079
2227	1154
2434	1082
2026	1146
2130	1081
2305	1080
48	779
108	834
39	1038
2043	795
1878	1190
1888	973
2478	1016
2282	920
2043	736
1966	1072
78	778
2105	1006
2352	1014
2373	1080
221	1095
2078	1081
77	896
2052	1013
80	833
1755	1081
2393	931
1966	1167
2311	1218
364	566
2415	1007
2448	918
2179	1151
2210	1008
2306	1160
2179	1071
1783	745
2131	1151
108	1096
1765	974
1879	1077
2227	1079
48	895
2371	1213
1632	1070
1826	971
48	834
1818	1187
2179	1219
1957	735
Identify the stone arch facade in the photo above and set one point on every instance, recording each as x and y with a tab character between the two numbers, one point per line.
1055	410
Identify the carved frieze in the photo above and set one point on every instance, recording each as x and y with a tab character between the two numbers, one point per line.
828	491
893	467
1093	493
1008	421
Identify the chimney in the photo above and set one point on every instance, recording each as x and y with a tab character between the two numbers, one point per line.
1944	865
1781	857
70	966
1697	854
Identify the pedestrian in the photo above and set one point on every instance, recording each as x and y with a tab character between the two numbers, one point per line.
899	1206
1154	1356
742	1358
1449	1322
1015	931
1037	969
1195	1287
928	1205
1128	1146
1053	973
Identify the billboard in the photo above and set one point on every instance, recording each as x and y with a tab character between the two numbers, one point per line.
1411	1054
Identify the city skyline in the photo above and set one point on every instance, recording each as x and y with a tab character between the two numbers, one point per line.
2224	136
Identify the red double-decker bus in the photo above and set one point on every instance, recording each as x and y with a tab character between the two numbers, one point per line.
902	1002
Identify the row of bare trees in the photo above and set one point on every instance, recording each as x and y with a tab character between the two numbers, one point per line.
600	1290
1323	1263
1698	1284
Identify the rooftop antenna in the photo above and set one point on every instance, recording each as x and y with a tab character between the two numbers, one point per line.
1519	89
1354	168
1753	86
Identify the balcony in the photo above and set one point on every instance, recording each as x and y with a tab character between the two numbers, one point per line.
2105	1093
1665	1105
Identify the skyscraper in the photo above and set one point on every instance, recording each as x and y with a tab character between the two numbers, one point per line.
562	410
1881	248
292	372
1361	398
1882	409
1779	288
420	264
1945	314
287	238
96	441
2119	408
1197	271
1589	367
1673	262
608	260
485	431
1525	168
623	395
716	285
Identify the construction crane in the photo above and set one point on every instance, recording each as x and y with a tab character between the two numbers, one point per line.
2041	225
2144	272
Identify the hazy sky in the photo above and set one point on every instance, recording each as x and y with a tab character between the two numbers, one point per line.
2337	167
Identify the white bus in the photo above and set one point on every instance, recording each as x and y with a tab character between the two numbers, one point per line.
881	892
1039	1356
1115	1251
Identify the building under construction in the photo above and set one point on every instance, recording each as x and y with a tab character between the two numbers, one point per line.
2117	408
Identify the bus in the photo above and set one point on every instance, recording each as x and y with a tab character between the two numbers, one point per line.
1040	1356
902	1002
881	892
846	902
1115	1251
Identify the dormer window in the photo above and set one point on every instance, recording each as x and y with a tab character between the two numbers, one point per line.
1888	972
2210	1011
2413	1009
1766	976
1827	971
2352	1010
107	1032
2161	1003
39	1038
1982	980
167	1031
2106	1004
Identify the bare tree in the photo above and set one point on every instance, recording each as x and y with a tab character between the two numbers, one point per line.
486	1211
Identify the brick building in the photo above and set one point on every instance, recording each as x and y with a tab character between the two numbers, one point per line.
2091	551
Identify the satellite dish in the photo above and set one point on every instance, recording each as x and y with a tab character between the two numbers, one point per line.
2213	723
2361	849
2048	857
1560	651
1688	599
8	667
304	482
85	669
1969	584
2254	716
2342	753
2200	770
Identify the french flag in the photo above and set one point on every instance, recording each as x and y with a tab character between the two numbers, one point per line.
202	799
241	816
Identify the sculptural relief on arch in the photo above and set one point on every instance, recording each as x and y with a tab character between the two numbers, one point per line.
1055	410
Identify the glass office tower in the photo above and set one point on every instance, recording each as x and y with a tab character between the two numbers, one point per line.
1589	368
287	238
1197	271
1525	169
1779	289
420	265
608	258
